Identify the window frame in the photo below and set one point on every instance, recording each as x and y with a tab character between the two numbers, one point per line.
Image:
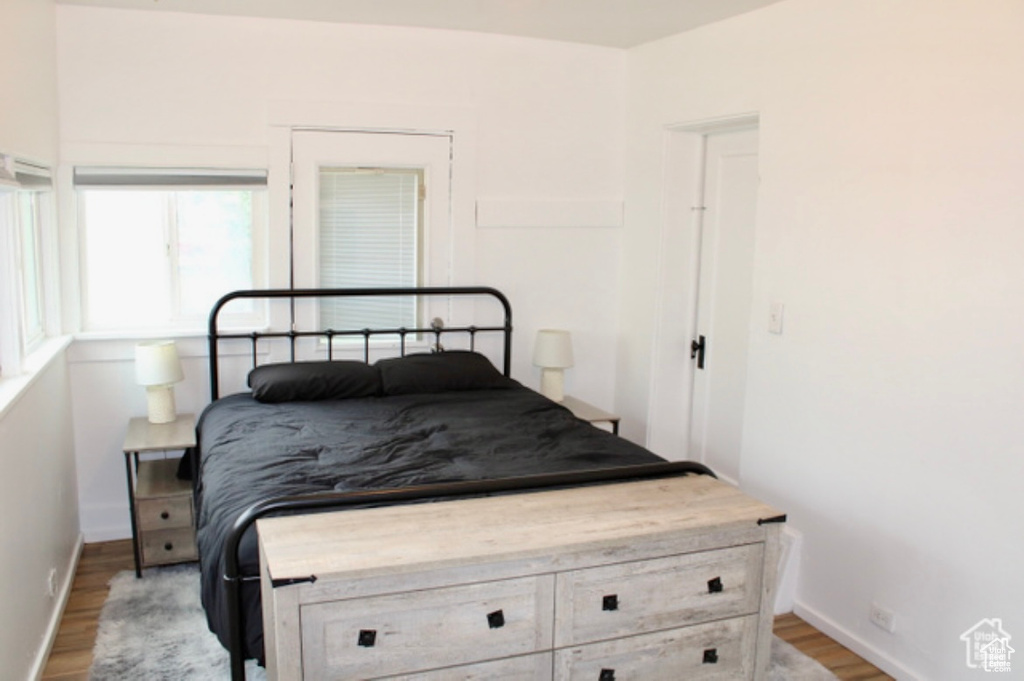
25	180
32	335
168	181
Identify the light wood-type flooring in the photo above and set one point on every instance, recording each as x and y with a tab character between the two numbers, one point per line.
72	651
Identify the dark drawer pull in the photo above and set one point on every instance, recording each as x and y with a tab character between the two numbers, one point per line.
168	546
496	619
610	603
711	656
367	638
715	585
607	675
165	515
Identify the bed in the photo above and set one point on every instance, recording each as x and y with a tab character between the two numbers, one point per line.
320	430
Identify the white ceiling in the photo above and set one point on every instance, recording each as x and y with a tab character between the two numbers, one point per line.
612	23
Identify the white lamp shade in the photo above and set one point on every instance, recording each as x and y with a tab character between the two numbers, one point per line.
553	349
157	363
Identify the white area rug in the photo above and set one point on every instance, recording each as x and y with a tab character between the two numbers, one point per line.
154	629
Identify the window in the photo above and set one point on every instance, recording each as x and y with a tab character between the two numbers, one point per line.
370	236
30	228
159	247
26	223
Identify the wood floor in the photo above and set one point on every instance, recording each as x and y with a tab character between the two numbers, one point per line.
72	651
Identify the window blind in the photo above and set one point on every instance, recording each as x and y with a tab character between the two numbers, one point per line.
86	177
32	177
369	238
18	174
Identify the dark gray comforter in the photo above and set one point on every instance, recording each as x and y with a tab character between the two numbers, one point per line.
250	451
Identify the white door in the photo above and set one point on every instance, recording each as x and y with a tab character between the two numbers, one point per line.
320	157
723	320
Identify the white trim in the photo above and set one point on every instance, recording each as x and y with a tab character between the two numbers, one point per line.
110	348
53	627
857	645
718	124
549	213
10	286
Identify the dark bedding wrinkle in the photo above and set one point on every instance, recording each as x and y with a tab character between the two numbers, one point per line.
250	451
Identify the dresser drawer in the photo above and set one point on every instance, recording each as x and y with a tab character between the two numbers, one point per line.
525	668
164	512
716	650
637	597
168	546
402	633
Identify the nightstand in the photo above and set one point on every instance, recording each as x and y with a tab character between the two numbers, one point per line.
160	503
590	413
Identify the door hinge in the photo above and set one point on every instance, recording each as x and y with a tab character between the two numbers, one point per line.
697	349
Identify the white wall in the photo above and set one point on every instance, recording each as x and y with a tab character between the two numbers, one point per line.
38	517
38	504
547	121
886	420
28	117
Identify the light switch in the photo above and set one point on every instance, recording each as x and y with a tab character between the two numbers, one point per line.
775	318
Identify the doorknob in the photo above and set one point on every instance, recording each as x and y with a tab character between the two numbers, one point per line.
697	351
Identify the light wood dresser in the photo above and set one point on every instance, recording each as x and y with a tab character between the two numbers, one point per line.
660	579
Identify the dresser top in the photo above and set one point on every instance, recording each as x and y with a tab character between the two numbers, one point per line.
396	539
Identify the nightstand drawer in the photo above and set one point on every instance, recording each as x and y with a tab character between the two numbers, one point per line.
168	546
164	513
651	595
407	632
717	650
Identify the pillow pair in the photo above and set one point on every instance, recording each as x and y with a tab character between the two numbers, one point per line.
344	379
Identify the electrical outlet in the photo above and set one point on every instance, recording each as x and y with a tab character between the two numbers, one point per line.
51	583
882	618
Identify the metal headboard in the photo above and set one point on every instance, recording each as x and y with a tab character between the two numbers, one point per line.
437	329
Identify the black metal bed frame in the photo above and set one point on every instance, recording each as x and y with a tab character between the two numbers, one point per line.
437	328
233	575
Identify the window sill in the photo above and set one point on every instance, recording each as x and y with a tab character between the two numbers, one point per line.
139	335
13	387
120	346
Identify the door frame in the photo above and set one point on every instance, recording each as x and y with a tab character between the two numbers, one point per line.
678	272
460	122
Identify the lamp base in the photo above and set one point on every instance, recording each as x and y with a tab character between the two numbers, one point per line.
551	384
160	403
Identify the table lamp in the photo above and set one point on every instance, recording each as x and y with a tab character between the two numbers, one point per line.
552	353
158	367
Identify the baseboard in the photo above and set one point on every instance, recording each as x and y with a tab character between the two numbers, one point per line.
857	645
64	593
